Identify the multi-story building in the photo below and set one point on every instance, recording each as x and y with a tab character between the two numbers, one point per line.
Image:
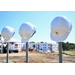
0	37
42	46
17	45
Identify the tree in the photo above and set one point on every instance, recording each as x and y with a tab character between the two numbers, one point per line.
63	46
41	42
32	42
68	46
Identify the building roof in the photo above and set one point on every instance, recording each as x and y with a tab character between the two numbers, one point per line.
11	40
14	40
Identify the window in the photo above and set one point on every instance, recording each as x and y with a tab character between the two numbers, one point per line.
49	44
44	47
12	43
48	47
36	44
16	45
44	44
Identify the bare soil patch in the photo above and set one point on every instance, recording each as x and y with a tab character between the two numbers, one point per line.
34	57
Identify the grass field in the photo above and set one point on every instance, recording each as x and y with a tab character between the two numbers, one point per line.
67	52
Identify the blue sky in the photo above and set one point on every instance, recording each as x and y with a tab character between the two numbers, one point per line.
41	19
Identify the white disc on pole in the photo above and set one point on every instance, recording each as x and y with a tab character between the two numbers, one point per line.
60	28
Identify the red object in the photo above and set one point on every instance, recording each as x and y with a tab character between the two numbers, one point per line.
16	49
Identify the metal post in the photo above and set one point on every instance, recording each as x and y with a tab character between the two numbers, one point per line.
7	53
60	52
27	52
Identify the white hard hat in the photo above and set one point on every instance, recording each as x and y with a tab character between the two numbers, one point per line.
34	30
7	33
25	40
26	30
60	28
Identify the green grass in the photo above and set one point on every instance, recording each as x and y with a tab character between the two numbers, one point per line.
67	52
56	52
37	52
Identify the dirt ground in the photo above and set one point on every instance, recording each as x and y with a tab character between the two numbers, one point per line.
35	57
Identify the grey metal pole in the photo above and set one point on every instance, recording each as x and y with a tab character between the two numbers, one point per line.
26	52
7	53
60	52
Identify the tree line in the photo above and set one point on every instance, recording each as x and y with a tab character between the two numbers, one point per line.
68	46
38	42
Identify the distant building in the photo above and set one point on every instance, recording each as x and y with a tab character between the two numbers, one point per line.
16	45
0	36
42	46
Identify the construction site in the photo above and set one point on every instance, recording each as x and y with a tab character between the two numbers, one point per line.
36	57
60	28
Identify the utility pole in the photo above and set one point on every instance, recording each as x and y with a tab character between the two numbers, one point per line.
60	52
26	52
7	53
